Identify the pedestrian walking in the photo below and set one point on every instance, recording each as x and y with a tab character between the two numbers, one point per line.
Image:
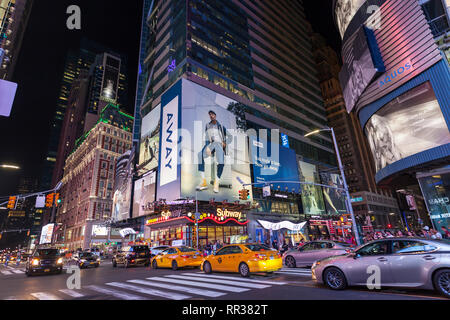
445	233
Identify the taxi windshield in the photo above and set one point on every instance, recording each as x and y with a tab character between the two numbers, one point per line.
258	247
186	249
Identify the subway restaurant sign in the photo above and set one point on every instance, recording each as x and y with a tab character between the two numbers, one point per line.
221	214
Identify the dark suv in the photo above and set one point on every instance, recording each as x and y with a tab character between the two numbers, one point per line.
46	260
86	259
132	256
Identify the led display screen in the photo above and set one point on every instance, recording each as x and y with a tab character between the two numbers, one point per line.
312	197
409	124
334	198
144	195
47	233
7	94
345	11
150	133
122	186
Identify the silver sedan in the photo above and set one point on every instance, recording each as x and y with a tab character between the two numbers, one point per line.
394	262
307	254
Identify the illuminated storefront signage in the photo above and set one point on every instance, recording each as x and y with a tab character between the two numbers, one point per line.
439	200
282	225
166	214
229	214
397	74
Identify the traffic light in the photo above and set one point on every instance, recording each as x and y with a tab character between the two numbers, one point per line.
243	194
57	199
28	233
12	202
389	226
49	200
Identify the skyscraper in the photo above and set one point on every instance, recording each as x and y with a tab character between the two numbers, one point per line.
14	15
255	55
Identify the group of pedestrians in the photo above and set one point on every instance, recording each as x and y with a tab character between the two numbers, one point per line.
426	233
210	248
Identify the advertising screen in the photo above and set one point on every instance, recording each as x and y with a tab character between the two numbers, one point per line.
99	231
358	70
47	233
334	199
345	11
411	123
312	197
149	147
7	94
267	167
214	145
144	195
122	186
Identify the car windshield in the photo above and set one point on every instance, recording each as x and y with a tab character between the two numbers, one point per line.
47	252
86	254
186	249
344	244
140	248
258	247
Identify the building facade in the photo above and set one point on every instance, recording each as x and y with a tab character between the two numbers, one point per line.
254	60
88	182
396	80
14	15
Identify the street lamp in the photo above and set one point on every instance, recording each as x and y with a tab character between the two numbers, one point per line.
9	166
341	168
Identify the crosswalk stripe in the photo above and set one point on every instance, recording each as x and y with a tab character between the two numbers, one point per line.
234	283
153	292
18	271
115	293
45	296
202	285
235	278
6	273
72	293
201	292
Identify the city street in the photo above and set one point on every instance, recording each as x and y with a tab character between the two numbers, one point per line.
139	283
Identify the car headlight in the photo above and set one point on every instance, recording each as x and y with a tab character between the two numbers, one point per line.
35	262
60	261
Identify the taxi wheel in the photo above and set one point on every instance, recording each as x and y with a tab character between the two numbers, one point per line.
174	265
441	281
244	270
207	267
154	264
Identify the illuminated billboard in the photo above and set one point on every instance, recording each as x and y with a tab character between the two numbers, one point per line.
334	198
122	186
204	146
149	147
111	78
409	124
268	167
47	234
312	197
144	195
7	94
345	11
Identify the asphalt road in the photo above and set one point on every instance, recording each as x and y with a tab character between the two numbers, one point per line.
140	283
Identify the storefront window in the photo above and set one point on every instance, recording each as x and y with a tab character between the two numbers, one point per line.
436	191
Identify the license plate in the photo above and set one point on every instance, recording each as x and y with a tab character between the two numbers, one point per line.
272	257
47	270
92	262
142	254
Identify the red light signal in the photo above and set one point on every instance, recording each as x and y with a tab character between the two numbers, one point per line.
389	226
49	200
12	202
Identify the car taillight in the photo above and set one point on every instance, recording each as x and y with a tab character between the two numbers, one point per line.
184	256
348	250
260	257
279	255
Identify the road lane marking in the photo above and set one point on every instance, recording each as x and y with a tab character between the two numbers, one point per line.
18	271
6	273
202	285
234	283
115	293
45	296
201	292
72	293
235	278
152	292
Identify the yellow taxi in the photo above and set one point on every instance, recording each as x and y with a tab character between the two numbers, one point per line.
177	257
243	258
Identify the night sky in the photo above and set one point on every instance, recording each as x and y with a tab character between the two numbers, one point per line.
113	23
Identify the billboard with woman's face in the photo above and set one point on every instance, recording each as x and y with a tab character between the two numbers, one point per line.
409	124
149	148
312	197
345	11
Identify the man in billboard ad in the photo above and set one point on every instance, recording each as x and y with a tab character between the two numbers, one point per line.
409	124
149	147
144	195
312	197
267	166
214	146
122	186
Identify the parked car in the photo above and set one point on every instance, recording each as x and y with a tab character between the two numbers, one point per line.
243	258
403	262
45	260
132	256
157	250
308	253
86	259
177	257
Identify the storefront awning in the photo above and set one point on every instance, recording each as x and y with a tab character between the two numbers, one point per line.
282	225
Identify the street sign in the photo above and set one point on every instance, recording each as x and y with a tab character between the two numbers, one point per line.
266	191
40	202
197	216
